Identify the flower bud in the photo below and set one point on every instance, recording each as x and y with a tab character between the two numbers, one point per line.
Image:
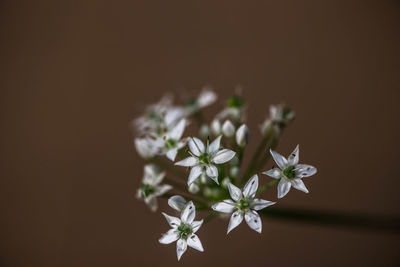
193	188
242	135
204	131
216	127
228	128
234	171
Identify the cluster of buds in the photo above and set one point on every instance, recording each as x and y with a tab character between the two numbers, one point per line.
214	172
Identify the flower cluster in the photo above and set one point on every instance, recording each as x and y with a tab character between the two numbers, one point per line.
214	171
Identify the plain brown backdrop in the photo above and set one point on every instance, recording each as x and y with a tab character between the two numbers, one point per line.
74	73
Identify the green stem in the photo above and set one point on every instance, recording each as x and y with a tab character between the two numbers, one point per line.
269	185
256	155
265	159
171	169
389	224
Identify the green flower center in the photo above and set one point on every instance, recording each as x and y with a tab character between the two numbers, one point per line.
235	102
243	204
146	190
290	172
184	230
205	158
192	102
170	143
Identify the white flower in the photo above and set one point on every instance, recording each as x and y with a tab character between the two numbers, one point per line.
203	159
228	128
146	147
171	142
204	131
242	135
150	188
183	230
245	205
290	172
279	116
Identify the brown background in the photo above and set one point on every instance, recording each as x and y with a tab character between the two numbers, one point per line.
74	73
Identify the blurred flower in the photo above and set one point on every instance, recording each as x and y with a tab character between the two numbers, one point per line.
203	159
146	147
242	135
183	230
216	127
279	117
290	172
204	131
234	109
244	205
228	128
150	188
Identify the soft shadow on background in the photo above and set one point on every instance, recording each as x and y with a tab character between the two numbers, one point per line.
74	73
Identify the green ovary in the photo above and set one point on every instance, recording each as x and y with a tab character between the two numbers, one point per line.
184	230
290	172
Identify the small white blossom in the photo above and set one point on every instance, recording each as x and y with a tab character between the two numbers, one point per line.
206	98
244	205
203	159
279	116
204	131
171	141
183	230
290	172
228	128
242	135
150	188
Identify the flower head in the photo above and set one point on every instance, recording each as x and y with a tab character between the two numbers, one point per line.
290	172
204	158
243	205
183	230
150	188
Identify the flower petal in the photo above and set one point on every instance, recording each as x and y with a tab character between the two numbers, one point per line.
293	159
169	237
162	189
187	162
181	247
279	159
223	156
212	172
177	132
172	221
188	213
304	170
151	201
235	192
274	173
196	146
250	189
196	225
253	220
194	242
236	219
283	187
299	185
214	146
171	154
226	206
259	204
194	174
177	202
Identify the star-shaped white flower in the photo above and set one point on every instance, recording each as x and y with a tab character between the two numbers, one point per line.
183	230
172	141
203	159
290	172
150	188
244	205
